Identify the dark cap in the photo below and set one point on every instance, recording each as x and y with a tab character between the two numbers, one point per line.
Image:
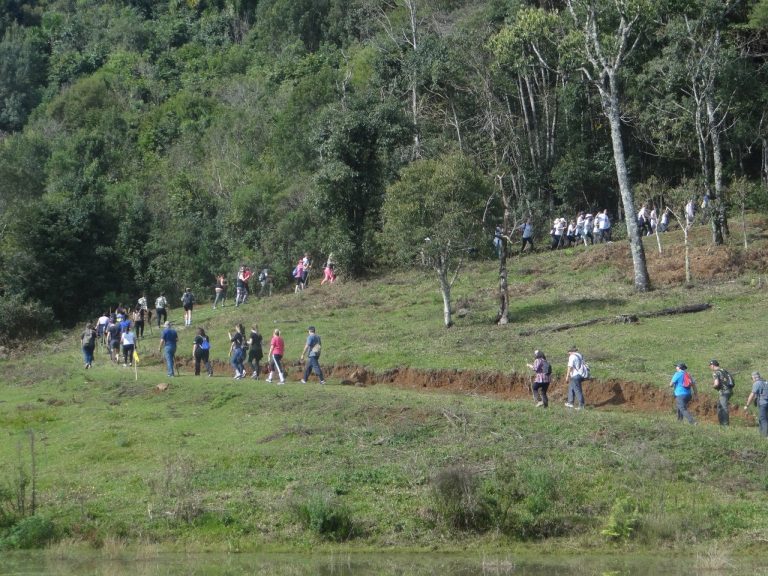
681	365
714	363
573	349
311	328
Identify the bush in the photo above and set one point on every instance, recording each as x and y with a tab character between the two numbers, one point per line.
23	320
327	517
458	499
29	533
622	521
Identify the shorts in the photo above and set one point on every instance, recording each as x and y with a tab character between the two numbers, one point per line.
188	307
114	344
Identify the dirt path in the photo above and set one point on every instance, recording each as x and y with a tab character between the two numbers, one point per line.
612	394
600	394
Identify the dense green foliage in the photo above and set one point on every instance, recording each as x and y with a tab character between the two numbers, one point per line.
148	145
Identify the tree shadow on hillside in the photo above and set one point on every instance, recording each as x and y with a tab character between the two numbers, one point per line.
587	308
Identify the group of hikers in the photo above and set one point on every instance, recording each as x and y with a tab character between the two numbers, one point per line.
592	229
682	383
118	333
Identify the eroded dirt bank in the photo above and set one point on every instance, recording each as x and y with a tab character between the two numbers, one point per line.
611	393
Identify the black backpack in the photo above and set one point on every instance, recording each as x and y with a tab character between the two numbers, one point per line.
546	367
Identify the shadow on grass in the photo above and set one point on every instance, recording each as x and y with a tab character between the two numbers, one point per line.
587	308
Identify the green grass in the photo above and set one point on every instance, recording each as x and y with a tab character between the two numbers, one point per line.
240	465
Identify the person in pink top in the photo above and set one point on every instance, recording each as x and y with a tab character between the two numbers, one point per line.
329	272
298	274
275	356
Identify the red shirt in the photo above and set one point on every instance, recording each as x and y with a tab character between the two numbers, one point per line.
278	345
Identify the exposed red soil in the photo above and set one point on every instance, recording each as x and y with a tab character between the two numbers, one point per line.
613	394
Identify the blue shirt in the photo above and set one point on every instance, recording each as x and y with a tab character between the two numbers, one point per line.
312	339
170	337
677	380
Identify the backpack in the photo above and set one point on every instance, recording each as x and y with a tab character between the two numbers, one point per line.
583	369
187	299
687	380
88	338
727	379
546	367
206	345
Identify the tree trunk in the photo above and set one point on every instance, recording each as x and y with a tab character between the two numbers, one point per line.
611	109
445	289
718	202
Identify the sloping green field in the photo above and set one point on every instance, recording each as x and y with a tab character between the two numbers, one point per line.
214	463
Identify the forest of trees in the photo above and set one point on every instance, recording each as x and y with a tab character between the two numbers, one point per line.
150	144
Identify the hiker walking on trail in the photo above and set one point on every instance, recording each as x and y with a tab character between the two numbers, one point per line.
526	233
188	302
88	342
759	395
543	371
221	293
255	352
275	356
236	351
128	342
113	339
575	376
161	309
722	381
168	341
684	390
201	350
312	351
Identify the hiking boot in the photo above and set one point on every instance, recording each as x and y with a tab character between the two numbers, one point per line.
568	405
322	382
268	380
539	404
303	381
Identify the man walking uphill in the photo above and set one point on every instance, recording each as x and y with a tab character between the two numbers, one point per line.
723	383
168	342
759	395
312	350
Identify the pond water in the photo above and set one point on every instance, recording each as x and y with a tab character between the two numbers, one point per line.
429	564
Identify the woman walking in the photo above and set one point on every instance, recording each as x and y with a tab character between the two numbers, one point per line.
276	352
201	350
88	340
255	352
236	351
543	370
128	341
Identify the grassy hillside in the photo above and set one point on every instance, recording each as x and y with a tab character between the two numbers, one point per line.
243	465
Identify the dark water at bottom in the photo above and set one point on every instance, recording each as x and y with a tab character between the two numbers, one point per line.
382	564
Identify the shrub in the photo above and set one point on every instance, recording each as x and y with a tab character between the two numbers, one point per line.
459	500
327	517
622	521
28	533
23	320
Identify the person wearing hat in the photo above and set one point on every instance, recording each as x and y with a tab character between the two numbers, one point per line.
312	351
684	389
723	383
759	395
575	376
543	371
168	341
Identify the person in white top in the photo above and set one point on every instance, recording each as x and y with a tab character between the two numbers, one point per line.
128	342
161	309
690	212
604	223
589	222
574	377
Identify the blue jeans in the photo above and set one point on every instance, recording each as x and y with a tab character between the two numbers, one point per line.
722	409
762	416
313	364
681	402
574	391
88	354
237	361
170	353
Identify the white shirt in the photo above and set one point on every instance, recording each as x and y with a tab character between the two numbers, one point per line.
128	339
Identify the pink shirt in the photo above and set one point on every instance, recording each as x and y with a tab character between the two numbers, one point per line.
278	345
